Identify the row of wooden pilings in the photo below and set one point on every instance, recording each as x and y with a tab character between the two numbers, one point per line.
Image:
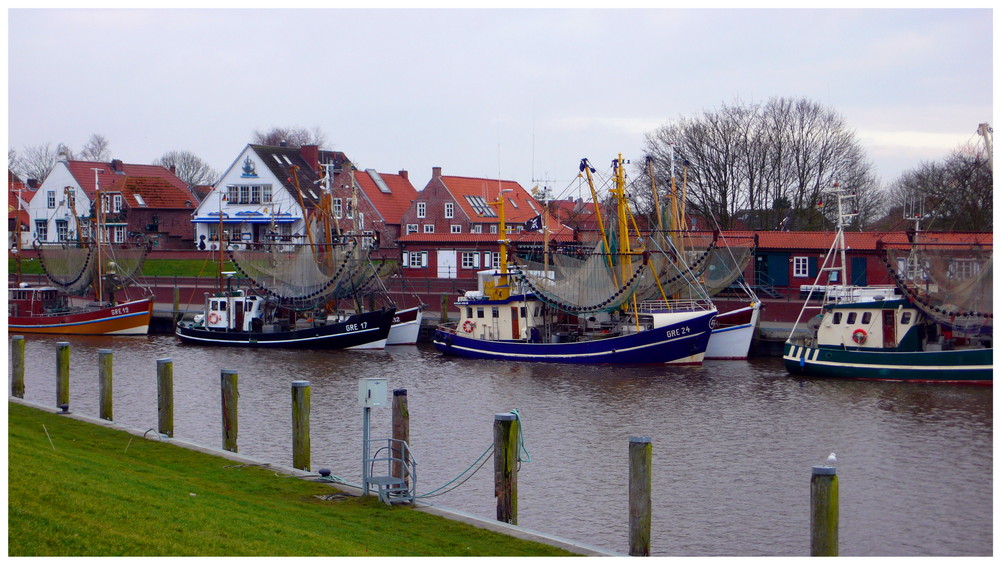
824	491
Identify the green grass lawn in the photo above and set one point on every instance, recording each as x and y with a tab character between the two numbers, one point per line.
158	267
96	491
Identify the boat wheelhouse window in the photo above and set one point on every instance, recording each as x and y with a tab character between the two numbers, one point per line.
496	312
538	311
866	317
836	318
905	319
524	313
851	317
247	306
480	313
215	305
468	312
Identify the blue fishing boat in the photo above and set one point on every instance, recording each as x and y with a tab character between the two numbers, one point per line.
582	305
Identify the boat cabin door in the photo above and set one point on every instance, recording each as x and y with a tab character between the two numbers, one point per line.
889	329
515	328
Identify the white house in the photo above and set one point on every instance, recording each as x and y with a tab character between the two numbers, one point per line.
256	196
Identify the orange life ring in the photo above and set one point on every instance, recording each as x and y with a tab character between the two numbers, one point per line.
859	336
213	318
468	325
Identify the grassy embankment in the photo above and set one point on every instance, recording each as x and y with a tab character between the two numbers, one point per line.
76	488
158	267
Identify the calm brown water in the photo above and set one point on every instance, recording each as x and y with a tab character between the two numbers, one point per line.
733	442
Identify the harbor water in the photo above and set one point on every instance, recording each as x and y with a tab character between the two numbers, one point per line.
733	442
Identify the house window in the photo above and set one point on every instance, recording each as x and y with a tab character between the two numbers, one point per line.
361	220
493	229
119	233
117	203
265	193
476	229
50	199
350	209
470	260
496	259
62	230
338	208
480	206
429	228
411	228
42	230
421	210
512	202
416	259
456	229
800	266
449	210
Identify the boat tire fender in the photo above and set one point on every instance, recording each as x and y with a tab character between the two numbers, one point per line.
859	336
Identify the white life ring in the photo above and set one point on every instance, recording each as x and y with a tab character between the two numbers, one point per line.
469	325
213	317
859	336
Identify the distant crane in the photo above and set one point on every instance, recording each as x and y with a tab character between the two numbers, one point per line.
987	132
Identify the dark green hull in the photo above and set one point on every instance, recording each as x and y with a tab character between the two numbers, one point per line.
947	366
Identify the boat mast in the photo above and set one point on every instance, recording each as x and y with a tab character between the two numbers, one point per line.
502	290
17	237
99	216
586	168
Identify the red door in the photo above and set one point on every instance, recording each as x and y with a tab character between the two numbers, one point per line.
515	327
889	329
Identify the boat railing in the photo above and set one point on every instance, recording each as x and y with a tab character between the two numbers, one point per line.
674	305
448	327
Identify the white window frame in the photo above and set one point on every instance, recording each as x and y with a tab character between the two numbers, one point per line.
456	229
800	266
449	210
338	208
415	259
476	229
119	233
116	203
62	230
41	230
412	228
470	260
421	210
493	229
50	199
428	228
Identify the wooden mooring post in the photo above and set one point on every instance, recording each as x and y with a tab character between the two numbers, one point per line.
640	485
400	429
230	404
176	316
506	428
444	308
824	507
62	376
105	378
165	396
300	424
17	366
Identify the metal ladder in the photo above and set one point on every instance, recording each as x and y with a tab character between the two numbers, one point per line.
398	482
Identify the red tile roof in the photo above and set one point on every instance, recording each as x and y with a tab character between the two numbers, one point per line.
156	193
519	206
16	187
482	238
83	172
823	240
391	205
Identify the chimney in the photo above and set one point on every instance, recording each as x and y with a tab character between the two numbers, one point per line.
436	173
404	174
310	153
33	184
173	169
117	167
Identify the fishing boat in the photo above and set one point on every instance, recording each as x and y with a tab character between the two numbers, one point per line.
579	305
716	261
295	289
936	326
84	264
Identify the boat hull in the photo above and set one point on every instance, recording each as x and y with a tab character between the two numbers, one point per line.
131	318
947	366
683	342
733	335
364	331
405	327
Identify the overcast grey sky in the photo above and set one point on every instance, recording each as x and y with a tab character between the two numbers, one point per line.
520	94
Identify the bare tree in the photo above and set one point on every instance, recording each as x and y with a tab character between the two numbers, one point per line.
188	167
765	166
955	194
290	136
37	161
96	149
